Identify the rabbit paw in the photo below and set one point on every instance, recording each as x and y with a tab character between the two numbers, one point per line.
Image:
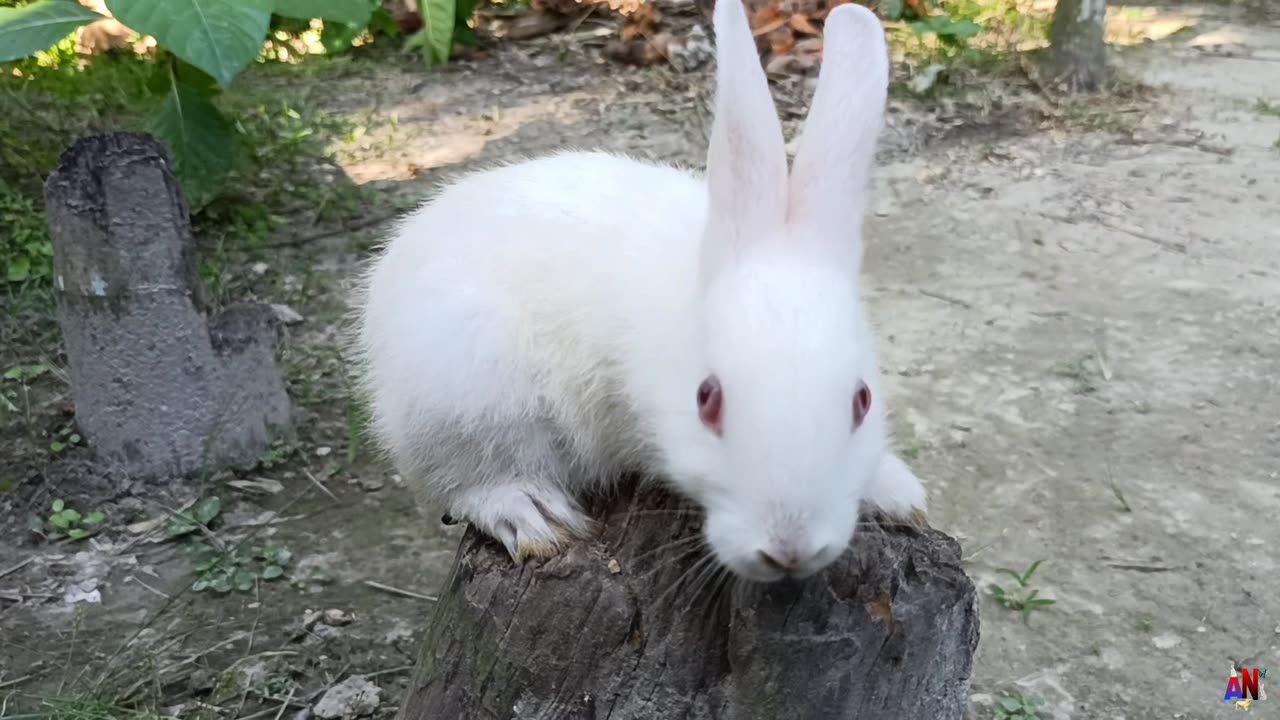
897	492
533	522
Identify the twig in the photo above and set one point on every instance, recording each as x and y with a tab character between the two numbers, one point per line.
1139	567
320	485
946	298
9	683
284	705
16	568
1166	244
145	586
398	591
350	227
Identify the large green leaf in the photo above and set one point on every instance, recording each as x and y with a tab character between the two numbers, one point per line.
436	36
220	37
39	26
199	138
349	12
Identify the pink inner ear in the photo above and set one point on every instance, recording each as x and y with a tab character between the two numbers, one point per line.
861	404
710	403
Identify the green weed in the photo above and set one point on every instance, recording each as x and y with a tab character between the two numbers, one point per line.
1023	596
65	521
1017	705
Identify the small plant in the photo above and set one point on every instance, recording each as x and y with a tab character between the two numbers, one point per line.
22	376
66	521
277	453
1082	372
201	515
222	572
1145	624
1016	705
24	245
66	438
1023	597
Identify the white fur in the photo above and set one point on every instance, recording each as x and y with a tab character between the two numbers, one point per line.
544	326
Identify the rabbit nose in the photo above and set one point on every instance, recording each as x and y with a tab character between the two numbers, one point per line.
786	558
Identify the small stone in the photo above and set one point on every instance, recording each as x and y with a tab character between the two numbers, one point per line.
260	268
338	618
286	315
614	567
369	484
352	698
323	450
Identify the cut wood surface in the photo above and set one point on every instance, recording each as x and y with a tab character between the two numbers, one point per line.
640	623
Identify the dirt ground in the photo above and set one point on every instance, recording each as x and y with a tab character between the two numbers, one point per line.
1081	327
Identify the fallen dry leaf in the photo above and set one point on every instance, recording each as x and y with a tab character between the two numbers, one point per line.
801	24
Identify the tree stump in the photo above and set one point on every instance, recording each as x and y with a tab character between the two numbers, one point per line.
636	625
1077	58
160	388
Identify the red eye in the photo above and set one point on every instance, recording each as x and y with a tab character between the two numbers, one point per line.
709	403
861	404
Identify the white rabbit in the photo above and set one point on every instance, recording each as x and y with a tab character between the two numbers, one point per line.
538	329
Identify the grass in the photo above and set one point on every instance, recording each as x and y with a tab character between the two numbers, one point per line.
1082	371
1017	705
1022	596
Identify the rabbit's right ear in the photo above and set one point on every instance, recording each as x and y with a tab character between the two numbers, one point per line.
746	160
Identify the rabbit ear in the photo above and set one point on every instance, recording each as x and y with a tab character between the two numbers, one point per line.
746	160
828	181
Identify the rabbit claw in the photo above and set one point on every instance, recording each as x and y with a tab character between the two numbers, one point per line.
531	522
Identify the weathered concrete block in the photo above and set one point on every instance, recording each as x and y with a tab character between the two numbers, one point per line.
160	388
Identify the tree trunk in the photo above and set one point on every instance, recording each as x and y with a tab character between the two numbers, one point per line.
161	389
635	625
1078	49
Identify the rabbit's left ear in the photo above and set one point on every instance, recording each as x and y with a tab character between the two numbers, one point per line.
828	184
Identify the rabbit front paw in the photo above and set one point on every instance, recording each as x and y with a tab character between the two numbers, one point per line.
532	521
897	492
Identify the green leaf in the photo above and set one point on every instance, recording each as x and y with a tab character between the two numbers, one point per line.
179	527
336	38
77	534
39	26
94	518
36	524
271	572
1031	571
200	584
59	505
1010	704
382	21
349	12
199	138
72	516
170	66
19	269
221	584
891	9
1015	575
245	580
436	36
220	37
207	509
59	521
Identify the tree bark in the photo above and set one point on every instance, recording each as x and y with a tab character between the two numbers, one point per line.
161	388
639	625
1078	50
